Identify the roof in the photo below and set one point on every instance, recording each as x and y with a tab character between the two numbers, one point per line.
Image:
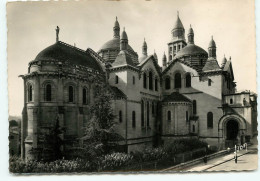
190	50
143	58
178	24
211	65
117	92
190	31
212	43
176	97
123	58
114	44
61	51
224	61
124	36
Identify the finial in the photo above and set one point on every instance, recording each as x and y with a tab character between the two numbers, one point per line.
212	37
116	18
57	33
144	39
190	25
178	13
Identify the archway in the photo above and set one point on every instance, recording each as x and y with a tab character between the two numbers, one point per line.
232	129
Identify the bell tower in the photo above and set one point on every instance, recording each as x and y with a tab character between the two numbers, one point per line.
178	38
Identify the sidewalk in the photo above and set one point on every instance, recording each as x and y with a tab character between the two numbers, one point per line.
214	163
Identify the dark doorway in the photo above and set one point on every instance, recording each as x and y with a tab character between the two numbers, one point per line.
232	130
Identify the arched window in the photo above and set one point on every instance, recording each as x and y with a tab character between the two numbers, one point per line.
120	117
133	80
48	92
142	113
167	83
187	116
156	84
231	101
144	80
177	80
188	80
169	116
150	80
133	119
71	94
194	106
148	115
116	79
30	92
170	57
85	96
210	119
209	82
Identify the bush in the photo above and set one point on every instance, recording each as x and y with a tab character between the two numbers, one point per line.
114	161
150	154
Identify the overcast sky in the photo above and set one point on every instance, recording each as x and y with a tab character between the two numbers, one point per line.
31	28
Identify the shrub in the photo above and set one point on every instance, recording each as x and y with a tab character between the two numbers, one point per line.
150	154
114	161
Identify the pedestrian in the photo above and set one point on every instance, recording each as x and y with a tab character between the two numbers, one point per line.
205	159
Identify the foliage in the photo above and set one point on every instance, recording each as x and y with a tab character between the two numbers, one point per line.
150	154
99	131
115	161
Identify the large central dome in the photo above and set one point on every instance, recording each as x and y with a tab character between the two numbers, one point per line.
111	48
191	50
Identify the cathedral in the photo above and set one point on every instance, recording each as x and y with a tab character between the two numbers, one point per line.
191	95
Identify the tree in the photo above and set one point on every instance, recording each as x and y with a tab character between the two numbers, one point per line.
99	132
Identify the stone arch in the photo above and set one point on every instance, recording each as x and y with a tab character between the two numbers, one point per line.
222	125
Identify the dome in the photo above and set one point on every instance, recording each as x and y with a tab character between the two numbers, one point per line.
191	50
124	35
212	43
63	52
114	44
190	30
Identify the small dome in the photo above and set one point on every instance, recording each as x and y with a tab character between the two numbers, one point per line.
190	30
212	43
124	35
191	50
144	44
155	56
224	61
63	52
116	23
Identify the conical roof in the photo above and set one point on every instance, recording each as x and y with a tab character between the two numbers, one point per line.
190	30
178	24
155	55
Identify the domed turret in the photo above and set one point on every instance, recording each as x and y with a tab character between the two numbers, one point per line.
191	36
178	31
144	52
116	29
212	48
155	56
123	41
224	61
164	61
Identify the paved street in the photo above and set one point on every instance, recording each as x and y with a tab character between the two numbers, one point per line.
247	160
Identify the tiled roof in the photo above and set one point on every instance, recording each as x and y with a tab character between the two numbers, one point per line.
63	52
117	92
123	58
190	50
176	97
211	65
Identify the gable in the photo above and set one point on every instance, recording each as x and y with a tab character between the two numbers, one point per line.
151	64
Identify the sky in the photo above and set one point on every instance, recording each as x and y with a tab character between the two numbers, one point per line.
89	24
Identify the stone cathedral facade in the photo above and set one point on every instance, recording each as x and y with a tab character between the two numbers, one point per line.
191	95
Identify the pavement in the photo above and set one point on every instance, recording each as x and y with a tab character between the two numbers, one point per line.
247	160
